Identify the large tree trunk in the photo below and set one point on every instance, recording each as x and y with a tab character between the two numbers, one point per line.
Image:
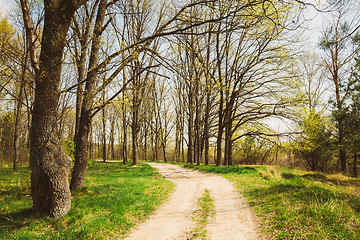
49	164
82	137
81	150
80	89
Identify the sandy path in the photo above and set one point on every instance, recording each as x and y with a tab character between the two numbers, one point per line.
173	220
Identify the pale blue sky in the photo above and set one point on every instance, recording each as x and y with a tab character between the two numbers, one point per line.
4	5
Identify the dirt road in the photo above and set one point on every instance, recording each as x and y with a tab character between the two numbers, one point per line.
173	220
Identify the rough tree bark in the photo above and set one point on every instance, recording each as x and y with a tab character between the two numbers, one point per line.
49	164
82	137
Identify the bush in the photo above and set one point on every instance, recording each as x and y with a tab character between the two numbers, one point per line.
315	142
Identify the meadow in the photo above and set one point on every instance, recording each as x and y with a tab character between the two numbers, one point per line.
114	199
295	204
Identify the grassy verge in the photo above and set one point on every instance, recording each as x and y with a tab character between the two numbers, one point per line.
205	209
293	204
114	199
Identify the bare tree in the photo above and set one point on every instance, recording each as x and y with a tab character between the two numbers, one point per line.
49	164
81	138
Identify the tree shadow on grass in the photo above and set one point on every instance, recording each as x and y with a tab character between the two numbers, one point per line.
126	171
304	194
289	204
335	181
288	175
14	193
353	200
324	179
17	220
315	177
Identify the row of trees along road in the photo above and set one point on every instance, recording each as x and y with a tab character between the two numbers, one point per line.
83	78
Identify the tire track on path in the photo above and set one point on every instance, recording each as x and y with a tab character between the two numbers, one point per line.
233	218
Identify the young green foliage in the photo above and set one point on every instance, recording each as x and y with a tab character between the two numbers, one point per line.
315	142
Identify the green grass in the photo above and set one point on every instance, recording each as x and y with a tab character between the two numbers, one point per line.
293	204
205	209
114	199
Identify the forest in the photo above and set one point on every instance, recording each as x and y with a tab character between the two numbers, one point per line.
222	82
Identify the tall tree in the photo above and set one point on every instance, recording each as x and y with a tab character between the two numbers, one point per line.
129	52
49	164
351	112
340	52
82	134
82	28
